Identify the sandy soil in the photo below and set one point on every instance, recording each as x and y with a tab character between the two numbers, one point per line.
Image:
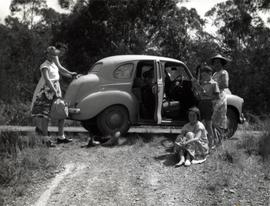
138	171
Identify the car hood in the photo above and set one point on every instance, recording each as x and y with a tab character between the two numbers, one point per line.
81	87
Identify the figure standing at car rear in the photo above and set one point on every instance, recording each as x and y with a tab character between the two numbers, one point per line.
221	76
47	90
209	94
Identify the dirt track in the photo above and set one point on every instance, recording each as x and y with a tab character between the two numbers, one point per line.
139	171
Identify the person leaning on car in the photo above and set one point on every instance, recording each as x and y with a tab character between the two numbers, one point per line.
221	76
47	90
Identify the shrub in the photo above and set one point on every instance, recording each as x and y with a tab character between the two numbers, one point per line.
15	113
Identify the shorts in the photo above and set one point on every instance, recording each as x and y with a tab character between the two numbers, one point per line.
206	107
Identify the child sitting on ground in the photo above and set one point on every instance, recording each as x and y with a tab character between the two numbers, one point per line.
192	144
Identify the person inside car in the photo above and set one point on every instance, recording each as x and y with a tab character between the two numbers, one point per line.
148	98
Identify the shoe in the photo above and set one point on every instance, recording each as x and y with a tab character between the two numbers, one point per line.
93	143
63	139
181	162
213	147
187	163
111	142
49	143
198	161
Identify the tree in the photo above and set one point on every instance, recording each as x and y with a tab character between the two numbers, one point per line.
100	28
29	9
246	36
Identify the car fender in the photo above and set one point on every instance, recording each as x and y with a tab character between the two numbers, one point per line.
96	102
235	102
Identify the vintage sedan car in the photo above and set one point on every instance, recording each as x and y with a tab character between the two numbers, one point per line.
120	91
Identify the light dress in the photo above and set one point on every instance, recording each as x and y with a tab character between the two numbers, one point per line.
43	96
197	149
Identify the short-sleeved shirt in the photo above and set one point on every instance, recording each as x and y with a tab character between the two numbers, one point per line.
52	70
198	126
222	78
210	89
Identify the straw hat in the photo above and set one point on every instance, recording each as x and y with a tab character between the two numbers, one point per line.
222	59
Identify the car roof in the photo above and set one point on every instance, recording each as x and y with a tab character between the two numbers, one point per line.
123	58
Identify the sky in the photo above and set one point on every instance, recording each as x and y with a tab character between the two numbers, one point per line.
4	8
202	6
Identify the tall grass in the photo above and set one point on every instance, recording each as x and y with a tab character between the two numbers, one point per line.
23	160
236	170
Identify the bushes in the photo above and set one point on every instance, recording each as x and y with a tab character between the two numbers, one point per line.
15	113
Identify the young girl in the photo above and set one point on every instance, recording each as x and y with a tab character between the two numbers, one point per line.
192	143
208	96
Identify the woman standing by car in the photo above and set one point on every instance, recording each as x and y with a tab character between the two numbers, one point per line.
47	90
221	76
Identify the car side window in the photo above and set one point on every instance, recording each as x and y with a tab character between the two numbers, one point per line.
175	71
123	71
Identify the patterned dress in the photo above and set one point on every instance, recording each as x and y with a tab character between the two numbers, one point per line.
219	117
43	96
197	149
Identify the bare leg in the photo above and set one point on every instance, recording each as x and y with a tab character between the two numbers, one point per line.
61	136
188	160
209	128
44	126
61	127
181	157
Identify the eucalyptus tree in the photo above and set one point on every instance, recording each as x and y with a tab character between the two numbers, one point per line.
247	42
100	28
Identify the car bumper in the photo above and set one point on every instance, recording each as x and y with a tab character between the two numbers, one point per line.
74	111
242	119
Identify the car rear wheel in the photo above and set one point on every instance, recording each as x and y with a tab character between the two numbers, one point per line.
112	119
232	122
91	126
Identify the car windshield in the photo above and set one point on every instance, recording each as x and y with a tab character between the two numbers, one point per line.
95	68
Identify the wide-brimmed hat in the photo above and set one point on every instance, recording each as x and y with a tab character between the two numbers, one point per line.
52	51
206	69
222	59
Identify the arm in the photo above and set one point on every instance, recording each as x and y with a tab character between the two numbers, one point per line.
63	71
224	80
47	80
196	138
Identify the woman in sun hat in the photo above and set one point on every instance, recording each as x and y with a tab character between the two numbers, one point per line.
221	76
47	90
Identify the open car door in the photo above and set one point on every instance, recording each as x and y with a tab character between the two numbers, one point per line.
159	92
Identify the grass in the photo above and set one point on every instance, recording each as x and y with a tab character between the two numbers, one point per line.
23	161
236	170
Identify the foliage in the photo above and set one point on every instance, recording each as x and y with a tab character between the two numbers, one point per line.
247	39
103	28
99	28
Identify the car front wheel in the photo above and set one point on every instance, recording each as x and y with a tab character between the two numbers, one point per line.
112	119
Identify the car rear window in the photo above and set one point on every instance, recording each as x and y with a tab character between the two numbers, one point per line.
96	67
123	72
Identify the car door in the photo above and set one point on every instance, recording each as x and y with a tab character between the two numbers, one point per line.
159	92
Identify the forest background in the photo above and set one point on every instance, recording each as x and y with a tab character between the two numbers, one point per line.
94	29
